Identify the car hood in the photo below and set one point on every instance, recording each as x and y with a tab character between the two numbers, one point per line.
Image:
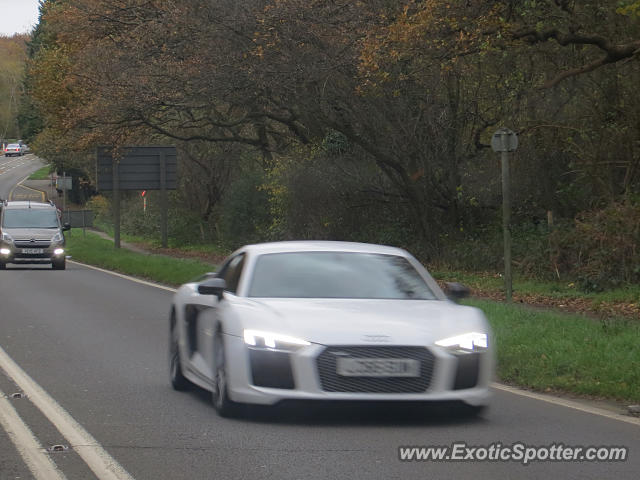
29	233
355	322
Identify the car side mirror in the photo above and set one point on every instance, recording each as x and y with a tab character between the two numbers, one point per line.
212	286
457	291
66	226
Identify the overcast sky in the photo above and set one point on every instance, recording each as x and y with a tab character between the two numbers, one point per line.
18	16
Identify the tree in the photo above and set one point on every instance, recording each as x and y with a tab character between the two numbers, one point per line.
12	60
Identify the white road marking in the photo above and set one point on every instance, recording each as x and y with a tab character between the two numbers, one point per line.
28	446
127	277
567	403
99	461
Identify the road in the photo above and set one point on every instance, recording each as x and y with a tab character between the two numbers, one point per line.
88	349
12	171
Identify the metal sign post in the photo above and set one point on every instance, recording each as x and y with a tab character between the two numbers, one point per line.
116	204
505	141
164	202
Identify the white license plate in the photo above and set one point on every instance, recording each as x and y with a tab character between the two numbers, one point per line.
33	251
378	367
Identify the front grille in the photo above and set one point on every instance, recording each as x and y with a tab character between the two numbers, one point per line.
30	244
31	256
332	382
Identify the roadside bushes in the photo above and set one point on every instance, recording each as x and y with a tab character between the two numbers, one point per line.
602	250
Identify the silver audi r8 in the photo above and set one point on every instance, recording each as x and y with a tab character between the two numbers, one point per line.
316	320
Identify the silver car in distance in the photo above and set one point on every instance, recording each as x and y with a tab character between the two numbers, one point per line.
318	320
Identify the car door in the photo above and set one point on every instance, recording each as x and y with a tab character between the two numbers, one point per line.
191	314
231	272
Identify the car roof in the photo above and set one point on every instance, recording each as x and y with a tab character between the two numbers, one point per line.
20	204
13	145
321	245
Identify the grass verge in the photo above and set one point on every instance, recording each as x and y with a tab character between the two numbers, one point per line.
97	251
541	350
41	174
559	290
547	351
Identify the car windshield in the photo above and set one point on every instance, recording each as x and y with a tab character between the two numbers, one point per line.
13	145
30	218
337	275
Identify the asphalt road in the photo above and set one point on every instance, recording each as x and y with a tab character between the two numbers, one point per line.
12	171
94	346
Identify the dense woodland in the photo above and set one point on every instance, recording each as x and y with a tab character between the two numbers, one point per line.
360	120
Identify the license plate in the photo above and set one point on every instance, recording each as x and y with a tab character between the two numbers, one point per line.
378	367
33	251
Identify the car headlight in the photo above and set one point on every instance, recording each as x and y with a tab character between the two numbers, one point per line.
4	251
467	341
7	238
57	238
276	341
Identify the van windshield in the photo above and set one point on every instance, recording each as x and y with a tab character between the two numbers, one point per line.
30	218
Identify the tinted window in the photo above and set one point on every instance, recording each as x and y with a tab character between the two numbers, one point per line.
30	218
337	275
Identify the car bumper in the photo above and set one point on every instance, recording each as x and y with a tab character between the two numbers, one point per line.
297	376
20	255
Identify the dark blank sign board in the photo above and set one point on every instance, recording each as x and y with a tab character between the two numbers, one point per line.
139	168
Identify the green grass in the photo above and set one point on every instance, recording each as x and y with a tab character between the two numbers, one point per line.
156	242
42	174
97	251
571	353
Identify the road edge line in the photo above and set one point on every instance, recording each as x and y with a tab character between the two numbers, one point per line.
125	276
40	465
103	465
575	405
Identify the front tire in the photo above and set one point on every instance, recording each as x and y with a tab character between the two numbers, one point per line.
220	395
3	266
178	381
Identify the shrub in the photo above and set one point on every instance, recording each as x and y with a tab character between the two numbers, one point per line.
603	248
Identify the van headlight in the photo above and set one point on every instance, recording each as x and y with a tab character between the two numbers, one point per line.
57	238
7	238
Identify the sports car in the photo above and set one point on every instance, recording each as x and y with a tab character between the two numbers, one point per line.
320	320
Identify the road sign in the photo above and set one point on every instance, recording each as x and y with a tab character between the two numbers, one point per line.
504	140
139	168
64	183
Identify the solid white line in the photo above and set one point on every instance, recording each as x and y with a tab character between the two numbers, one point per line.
127	277
31	451
567	403
99	461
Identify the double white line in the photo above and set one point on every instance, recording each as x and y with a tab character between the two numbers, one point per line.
41	466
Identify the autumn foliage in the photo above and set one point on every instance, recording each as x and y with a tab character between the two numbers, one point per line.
383	108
